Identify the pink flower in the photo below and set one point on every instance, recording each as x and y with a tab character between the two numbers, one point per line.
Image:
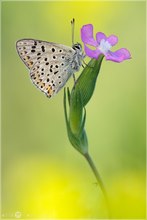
102	45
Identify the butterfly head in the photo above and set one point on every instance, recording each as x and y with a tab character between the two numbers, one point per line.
78	50
77	47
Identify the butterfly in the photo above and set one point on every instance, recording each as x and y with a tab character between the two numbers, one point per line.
50	64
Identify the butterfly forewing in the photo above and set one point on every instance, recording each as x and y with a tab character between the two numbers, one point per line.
49	63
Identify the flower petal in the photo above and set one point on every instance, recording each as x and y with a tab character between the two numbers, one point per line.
112	39
92	53
87	35
118	55
100	36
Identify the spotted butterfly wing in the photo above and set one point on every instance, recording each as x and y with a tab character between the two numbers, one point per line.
50	64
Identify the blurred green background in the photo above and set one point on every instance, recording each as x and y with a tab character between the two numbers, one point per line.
42	175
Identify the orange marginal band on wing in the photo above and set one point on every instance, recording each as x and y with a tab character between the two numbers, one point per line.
28	61
49	91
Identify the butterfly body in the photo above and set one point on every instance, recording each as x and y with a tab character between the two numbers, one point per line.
50	64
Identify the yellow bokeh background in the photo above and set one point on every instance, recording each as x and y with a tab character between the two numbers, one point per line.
42	175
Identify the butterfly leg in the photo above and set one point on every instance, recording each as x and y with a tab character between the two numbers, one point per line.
74	78
75	81
86	64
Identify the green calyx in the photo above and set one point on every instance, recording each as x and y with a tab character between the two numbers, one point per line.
75	123
80	95
87	80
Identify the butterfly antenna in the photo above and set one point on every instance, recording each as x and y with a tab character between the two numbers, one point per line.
73	28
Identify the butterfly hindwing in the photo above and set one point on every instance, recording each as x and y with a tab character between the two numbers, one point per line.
50	78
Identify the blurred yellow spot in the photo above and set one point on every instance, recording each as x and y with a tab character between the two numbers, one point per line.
48	189
128	198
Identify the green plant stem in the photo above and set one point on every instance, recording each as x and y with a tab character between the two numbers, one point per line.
99	180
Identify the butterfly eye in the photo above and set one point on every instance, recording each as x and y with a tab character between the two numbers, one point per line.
77	46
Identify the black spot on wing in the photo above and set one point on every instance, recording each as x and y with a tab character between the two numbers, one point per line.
43	48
